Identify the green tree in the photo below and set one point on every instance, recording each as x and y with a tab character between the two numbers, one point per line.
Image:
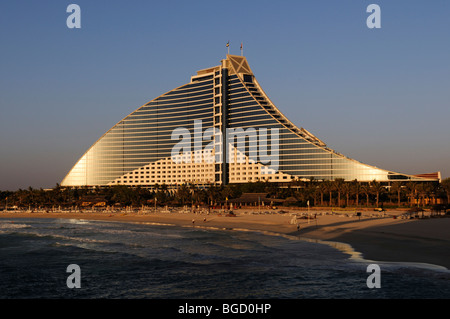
162	194
328	188
272	189
434	189
397	187
346	190
356	189
227	192
446	186
312	189
183	194
426	192
194	193
411	189
367	189
337	186
321	188
377	189
213	194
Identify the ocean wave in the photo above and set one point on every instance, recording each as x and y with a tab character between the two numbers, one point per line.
206	262
75	221
12	226
355	256
137	232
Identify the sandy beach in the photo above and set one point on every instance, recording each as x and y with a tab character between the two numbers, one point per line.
375	236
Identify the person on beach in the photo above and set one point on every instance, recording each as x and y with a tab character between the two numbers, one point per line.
298	226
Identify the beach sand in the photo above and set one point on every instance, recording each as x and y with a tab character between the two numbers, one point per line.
375	237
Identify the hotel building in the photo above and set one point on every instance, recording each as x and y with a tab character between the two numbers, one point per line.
142	148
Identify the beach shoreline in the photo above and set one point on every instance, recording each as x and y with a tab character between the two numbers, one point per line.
382	237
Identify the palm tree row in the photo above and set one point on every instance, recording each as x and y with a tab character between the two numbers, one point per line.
354	193
333	193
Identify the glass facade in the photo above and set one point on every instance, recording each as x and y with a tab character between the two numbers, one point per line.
222	98
144	136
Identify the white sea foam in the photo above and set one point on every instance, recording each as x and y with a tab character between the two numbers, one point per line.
355	256
12	226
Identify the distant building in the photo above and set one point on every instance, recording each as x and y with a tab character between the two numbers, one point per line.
145	148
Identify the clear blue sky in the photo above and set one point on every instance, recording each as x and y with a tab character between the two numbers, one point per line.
380	96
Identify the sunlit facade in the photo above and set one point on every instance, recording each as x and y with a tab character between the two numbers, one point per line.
139	150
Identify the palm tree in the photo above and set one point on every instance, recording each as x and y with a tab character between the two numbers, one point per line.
411	188
328	188
201	196
214	193
30	197
184	194
434	190
377	189
227	192
272	189
162	195
312	189
446	186
193	190
337	185
424	190
398	188
366	189
356	189
295	183
321	189
429	192
346	190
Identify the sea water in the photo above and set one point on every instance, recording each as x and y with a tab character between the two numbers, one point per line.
158	261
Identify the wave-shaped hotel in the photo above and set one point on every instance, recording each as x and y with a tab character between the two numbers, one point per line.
179	137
